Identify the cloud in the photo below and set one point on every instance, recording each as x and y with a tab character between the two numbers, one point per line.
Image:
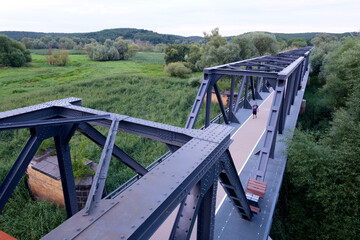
187	17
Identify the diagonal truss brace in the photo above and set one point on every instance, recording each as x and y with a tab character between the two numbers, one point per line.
98	185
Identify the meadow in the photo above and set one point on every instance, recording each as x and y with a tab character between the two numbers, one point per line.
137	87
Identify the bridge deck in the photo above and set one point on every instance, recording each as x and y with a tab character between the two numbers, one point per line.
228	224
240	149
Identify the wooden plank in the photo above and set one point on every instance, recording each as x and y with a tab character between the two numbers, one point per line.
256	187
254	209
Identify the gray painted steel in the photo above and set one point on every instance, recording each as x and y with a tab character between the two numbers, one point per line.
228	223
187	176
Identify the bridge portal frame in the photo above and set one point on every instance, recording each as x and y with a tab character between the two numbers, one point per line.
199	160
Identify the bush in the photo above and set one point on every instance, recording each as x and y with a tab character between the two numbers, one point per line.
13	53
59	58
177	69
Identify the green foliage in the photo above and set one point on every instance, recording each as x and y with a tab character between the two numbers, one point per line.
297	42
264	43
320	192
194	53
217	51
58	58
177	69
342	72
13	53
79	157
318	111
111	50
126	33
176	53
324	44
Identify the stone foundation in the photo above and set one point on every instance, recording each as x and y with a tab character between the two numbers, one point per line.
44	181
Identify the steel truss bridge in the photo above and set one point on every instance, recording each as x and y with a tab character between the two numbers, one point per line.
184	181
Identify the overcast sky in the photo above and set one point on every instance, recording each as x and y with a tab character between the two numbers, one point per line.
181	17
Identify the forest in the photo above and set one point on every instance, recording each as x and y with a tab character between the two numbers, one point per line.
125	72
320	193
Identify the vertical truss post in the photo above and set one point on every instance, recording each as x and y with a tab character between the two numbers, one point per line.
264	88
289	93
256	94
206	216
246	101
186	216
17	170
221	105
298	80
259	83
232	117
66	171
296	87
208	106
252	86
239	94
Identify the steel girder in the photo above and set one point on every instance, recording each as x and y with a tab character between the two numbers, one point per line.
138	211
200	159
267	68
285	91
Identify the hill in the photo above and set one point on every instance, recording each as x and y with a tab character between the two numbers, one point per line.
101	36
151	36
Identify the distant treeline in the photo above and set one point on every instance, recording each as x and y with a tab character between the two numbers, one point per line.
148	36
101	36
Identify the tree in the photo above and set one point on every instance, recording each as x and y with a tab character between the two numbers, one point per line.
194	53
322	170
176	53
13	53
342	72
28	42
247	48
264	43
297	42
66	43
111	50
324	44
133	49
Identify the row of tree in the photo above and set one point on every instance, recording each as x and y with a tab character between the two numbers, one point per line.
321	189
217	50
77	43
111	50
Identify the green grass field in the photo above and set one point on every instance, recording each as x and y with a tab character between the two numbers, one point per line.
137	87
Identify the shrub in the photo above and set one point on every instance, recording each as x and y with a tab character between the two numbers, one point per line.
59	58
13	53
177	69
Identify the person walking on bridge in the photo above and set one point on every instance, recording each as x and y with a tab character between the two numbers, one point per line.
255	109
